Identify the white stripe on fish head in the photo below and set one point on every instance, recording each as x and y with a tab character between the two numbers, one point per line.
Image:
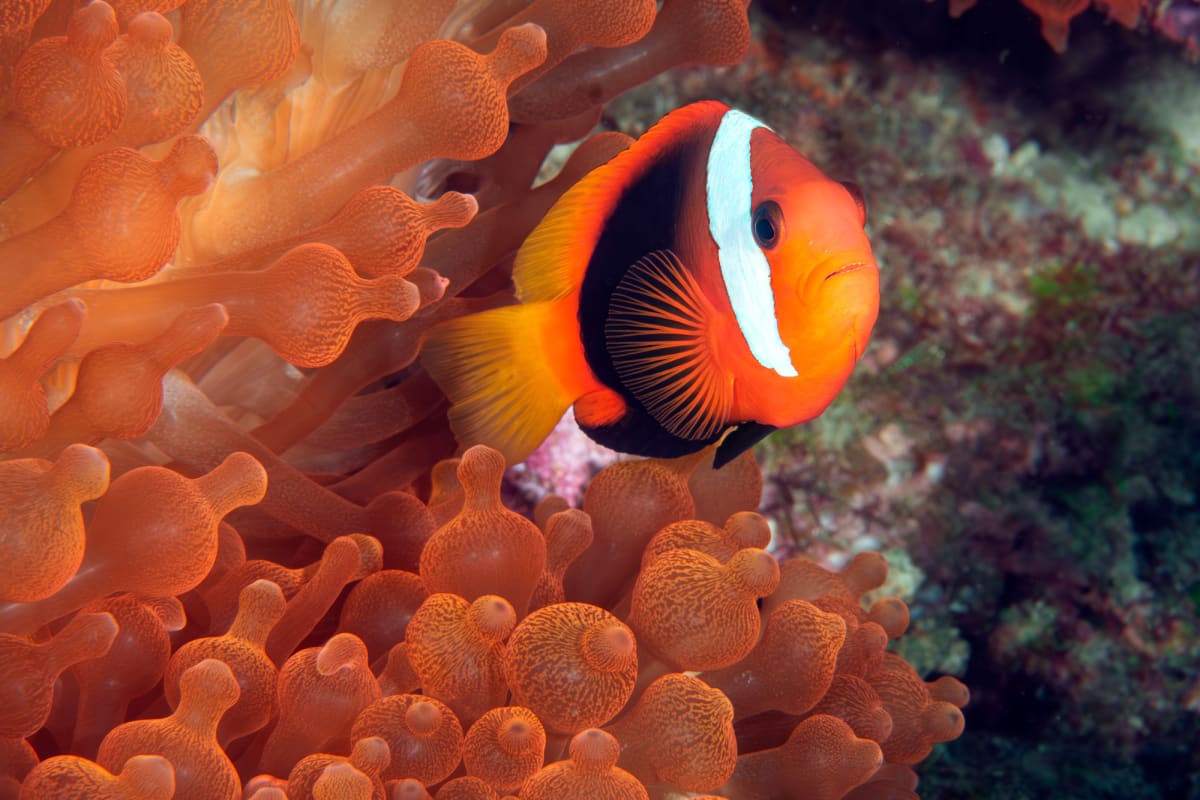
729	191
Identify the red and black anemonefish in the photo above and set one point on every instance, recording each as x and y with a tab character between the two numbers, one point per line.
707	282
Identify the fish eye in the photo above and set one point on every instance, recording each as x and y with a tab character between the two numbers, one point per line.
857	195
767	223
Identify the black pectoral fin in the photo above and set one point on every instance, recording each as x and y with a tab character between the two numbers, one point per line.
739	440
658	335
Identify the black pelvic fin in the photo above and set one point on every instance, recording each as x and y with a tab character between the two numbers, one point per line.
739	440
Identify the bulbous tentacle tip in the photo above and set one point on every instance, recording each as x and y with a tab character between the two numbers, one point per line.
211	682
81	473
190	166
568	533
481	462
596	658
480	472
92	28
90	103
370	554
43	536
423	717
548	508
755	570
748	529
424	736
169	611
127	10
341	781
266	34
942	721
609	646
517	735
594	750
382	231
491	617
53	331
891	614
264	601
505	747
162	82
151	30
26	416
142	777
590	771
149	777
396	298
189	333
866	571
239	480
951	690
431	286
451	210
344	651
520	49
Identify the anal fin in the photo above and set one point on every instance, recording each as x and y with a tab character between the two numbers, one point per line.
659	335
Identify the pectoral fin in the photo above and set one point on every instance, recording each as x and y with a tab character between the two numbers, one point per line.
659	334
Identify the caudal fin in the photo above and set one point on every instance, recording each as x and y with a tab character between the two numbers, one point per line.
505	391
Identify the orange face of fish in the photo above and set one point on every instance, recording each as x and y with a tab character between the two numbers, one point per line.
823	277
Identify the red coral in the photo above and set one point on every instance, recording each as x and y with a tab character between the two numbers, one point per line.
1056	15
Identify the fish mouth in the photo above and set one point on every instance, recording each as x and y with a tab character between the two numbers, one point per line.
853	267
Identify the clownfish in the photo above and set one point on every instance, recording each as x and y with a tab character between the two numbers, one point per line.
707	283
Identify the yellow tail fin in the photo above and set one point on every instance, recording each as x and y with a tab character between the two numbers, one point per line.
504	376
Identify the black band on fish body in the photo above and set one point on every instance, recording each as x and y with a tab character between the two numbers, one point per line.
644	221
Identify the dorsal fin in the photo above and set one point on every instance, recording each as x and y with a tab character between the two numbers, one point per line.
551	263
659	335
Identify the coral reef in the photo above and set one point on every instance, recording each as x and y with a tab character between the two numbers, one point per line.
1177	20
236	559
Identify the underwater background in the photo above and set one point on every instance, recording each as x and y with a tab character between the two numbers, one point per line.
1020	442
